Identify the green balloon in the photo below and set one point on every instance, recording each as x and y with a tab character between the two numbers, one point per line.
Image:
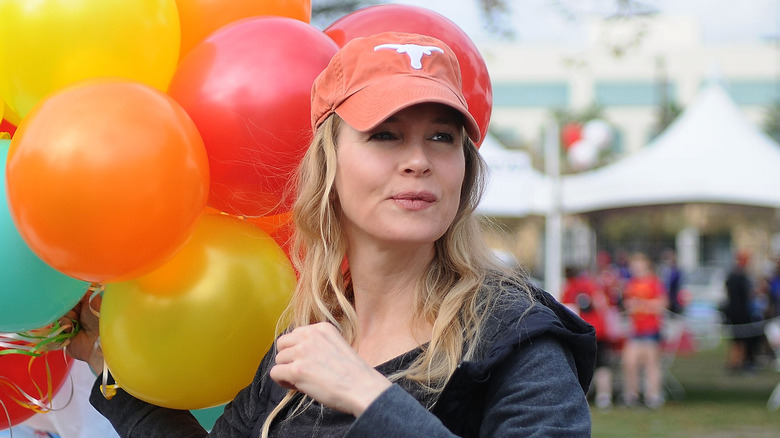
32	294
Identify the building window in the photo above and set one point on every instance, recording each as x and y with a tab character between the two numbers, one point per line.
755	92
531	94
632	93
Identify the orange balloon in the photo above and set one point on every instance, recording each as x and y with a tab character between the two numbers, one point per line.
199	18
106	179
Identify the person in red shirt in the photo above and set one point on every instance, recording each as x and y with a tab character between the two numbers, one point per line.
644	299
584	296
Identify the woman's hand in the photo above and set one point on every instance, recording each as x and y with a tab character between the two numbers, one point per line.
83	346
318	362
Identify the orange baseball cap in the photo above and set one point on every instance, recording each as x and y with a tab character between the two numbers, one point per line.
371	78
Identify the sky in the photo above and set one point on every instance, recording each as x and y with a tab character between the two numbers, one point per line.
541	21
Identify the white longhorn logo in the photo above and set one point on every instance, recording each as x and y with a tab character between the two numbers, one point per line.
414	51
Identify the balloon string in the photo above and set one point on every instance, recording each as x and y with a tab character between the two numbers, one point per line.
8	418
108	390
96	289
40	403
39	341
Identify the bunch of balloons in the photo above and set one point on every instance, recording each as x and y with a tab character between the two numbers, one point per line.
584	142
152	147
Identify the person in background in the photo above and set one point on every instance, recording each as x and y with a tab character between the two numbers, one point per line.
584	295
645	301
623	263
402	323
738	313
774	291
672	277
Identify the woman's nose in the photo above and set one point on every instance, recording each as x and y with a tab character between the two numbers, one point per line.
416	160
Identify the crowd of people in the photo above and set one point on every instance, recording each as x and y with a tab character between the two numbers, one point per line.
634	304
626	302
751	300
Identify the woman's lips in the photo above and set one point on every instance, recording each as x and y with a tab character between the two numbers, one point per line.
414	200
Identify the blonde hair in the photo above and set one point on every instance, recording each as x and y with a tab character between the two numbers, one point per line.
450	295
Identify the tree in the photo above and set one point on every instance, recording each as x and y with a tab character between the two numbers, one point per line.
494	13
772	121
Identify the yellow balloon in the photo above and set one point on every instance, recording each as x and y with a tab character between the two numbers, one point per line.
191	334
48	44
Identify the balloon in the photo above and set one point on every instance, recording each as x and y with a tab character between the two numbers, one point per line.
597	131
191	334
106	179
248	88
15	369
413	19
48	44
199	18
32	294
8	122
583	155
279	227
208	417
10	116
7	130
570	134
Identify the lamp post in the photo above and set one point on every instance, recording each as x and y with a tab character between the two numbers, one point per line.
553	222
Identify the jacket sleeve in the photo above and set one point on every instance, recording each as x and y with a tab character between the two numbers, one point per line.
133	418
396	413
534	393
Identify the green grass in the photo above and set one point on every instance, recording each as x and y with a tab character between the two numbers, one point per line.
715	404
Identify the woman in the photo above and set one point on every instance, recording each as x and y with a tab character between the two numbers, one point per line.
401	323
645	300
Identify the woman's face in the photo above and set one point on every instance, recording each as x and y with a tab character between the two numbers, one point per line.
400	183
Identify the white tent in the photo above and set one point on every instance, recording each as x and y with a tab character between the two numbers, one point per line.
711	153
515	188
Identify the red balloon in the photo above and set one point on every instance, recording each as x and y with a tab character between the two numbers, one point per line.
15	370
247	88
570	134
6	126
413	19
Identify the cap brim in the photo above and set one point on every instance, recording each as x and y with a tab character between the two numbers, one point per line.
373	104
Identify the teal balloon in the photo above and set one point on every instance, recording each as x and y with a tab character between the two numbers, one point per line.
32	294
207	417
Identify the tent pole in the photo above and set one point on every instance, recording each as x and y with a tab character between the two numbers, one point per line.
553	223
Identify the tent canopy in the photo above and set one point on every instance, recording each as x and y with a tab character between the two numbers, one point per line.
515	188
711	153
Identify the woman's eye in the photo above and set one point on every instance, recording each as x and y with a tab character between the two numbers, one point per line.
382	135
443	136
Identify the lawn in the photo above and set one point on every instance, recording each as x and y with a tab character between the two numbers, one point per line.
715	404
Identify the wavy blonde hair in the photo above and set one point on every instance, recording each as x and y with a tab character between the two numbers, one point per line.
450	295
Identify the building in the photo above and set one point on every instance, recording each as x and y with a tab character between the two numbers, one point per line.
628	70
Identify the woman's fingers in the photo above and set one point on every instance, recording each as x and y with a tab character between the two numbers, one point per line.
317	361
